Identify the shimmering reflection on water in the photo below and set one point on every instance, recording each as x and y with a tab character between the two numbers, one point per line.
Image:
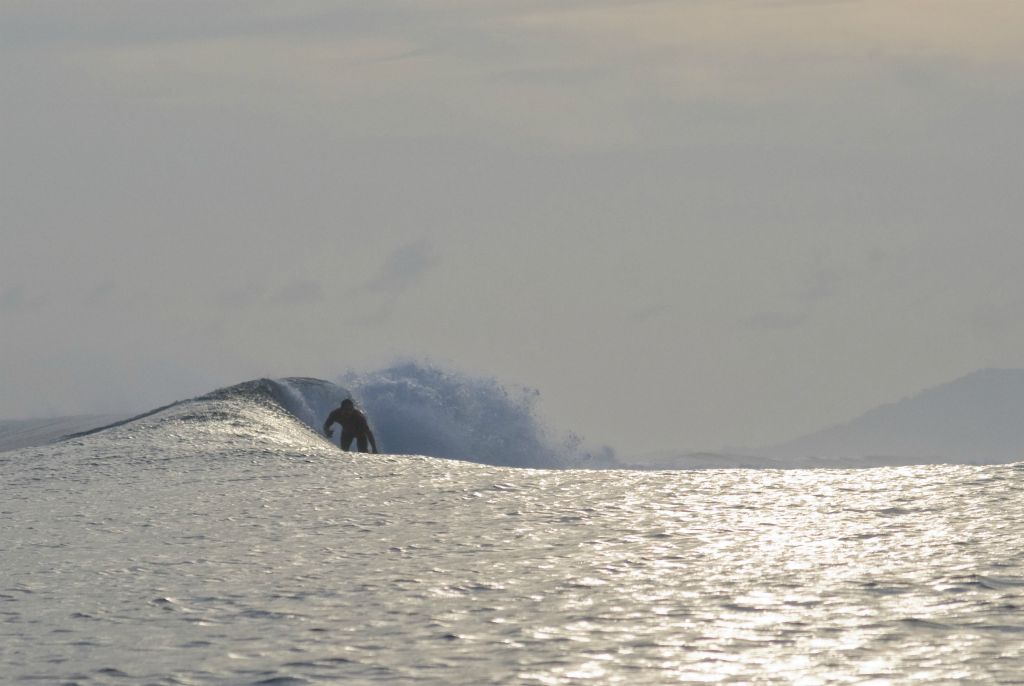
318	567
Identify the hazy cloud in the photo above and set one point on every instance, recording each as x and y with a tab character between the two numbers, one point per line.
242	295
299	292
775	321
103	293
404	268
292	293
18	298
642	315
999	318
822	284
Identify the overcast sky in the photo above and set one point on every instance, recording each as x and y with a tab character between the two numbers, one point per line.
688	224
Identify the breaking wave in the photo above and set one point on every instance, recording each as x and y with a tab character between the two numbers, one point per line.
413	409
426	410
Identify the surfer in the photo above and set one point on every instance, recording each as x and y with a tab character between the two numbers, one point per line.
353	426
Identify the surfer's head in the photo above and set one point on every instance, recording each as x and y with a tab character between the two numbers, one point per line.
347	404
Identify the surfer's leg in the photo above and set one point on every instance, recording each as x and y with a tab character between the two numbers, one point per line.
362	443
346	441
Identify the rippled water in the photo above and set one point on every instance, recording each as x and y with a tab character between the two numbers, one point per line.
294	563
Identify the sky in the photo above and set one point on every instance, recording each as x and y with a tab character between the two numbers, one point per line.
688	224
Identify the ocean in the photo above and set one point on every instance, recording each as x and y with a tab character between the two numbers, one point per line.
222	540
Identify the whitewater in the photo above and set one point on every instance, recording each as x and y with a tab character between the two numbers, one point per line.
223	540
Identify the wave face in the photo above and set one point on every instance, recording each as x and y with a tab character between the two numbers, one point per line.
413	409
259	417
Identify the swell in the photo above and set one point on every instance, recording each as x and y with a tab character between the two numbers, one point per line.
257	390
414	409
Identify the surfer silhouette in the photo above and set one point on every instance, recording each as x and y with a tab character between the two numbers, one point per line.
353	427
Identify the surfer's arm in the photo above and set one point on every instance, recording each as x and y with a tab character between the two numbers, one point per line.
373	441
327	424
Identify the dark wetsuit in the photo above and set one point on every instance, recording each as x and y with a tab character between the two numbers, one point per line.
353	427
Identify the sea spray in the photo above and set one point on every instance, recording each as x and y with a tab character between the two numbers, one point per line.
421	409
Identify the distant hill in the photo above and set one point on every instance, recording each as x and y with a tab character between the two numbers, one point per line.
978	418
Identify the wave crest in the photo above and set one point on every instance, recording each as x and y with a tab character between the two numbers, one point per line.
414	409
421	409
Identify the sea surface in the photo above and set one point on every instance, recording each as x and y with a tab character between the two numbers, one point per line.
222	541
